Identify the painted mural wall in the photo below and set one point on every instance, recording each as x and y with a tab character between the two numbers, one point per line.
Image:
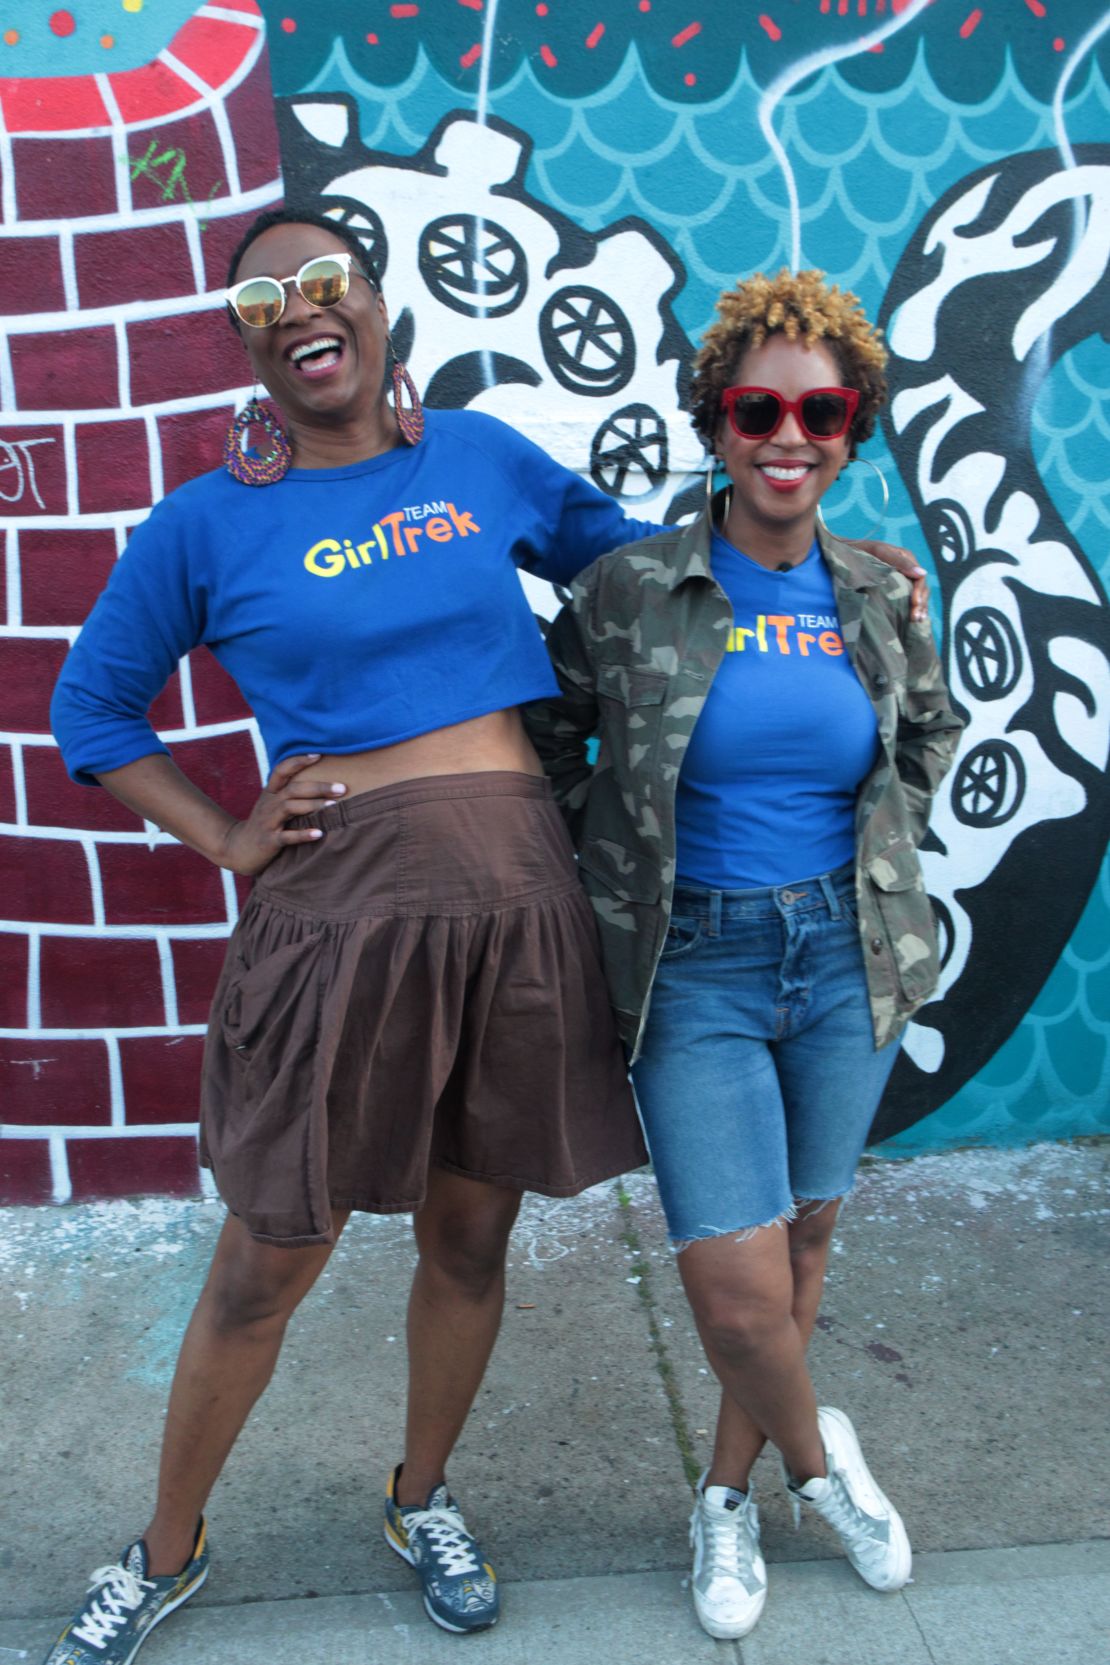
556	193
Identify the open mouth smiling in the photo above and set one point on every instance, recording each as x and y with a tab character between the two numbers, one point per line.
315	357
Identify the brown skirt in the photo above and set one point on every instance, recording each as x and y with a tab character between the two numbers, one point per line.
422	987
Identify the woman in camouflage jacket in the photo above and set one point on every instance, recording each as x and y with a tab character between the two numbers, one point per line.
772	724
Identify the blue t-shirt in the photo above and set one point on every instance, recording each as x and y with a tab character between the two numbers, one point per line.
355	607
768	785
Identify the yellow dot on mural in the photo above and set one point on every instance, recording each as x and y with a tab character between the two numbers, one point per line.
11	37
107	40
132	5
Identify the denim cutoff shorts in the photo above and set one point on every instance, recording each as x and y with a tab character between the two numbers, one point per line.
759	1077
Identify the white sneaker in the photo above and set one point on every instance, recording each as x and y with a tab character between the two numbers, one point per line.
729	1581
866	1522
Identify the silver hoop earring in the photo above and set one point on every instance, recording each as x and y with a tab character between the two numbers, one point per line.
872	529
710	471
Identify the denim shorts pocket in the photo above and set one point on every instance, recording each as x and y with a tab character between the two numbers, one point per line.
683	935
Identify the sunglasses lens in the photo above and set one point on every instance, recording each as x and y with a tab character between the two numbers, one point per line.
754	414
260	303
825	414
323	282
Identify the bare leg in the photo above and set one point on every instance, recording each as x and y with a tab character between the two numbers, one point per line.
455	1308
738	1441
226	1360
755	1304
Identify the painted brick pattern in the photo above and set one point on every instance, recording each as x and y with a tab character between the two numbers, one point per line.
111	934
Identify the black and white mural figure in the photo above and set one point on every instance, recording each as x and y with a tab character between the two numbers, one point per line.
1005	276
502	304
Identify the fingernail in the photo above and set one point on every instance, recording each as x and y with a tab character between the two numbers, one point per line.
328	803
337	787
314	832
919	572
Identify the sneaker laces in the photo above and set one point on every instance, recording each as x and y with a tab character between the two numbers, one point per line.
728	1543
846	1518
452	1545
121	1592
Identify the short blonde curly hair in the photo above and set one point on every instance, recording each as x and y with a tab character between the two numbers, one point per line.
804	307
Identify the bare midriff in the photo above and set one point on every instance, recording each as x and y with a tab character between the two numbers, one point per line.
497	741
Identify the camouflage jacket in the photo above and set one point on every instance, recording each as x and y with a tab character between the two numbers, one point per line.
635	650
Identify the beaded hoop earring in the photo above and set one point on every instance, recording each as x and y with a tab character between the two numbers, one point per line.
250	470
874	527
410	421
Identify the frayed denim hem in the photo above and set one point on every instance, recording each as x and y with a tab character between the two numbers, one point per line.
802	1208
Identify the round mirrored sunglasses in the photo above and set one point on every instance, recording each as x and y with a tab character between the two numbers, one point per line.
322	281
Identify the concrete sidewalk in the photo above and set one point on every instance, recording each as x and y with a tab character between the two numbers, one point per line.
965	1330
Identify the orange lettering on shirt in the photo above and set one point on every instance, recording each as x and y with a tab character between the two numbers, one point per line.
464	523
781	622
804	639
829	642
393	521
411	535
438	530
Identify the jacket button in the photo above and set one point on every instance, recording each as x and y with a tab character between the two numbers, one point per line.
881	681
876	945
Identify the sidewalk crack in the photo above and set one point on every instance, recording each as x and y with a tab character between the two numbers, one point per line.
641	1270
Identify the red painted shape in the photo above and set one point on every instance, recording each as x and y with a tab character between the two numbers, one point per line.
690	79
770	27
28	671
168	885
66	370
470	56
842	8
152	91
45	879
472	5
158	1165
113	466
404	11
167	712
549	57
7	785
62	572
216	695
197	963
50	106
178	358
33	471
970	23
135	263
13	982
177	162
31	275
218	242
595	35
54	800
288	26
25	1171
99	982
224	766
56	1083
213	48
161	1078
1036	7
192	443
48	185
250	110
686	34
1059	44
61	23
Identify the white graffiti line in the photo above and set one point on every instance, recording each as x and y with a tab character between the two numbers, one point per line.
1063	143
16	454
260	196
482	111
792	77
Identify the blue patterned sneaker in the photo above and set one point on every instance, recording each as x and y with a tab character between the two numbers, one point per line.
123	1606
460	1586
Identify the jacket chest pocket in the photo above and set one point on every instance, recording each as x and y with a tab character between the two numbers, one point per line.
632	710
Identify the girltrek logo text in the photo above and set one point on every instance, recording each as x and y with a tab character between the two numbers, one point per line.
398	534
787	633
